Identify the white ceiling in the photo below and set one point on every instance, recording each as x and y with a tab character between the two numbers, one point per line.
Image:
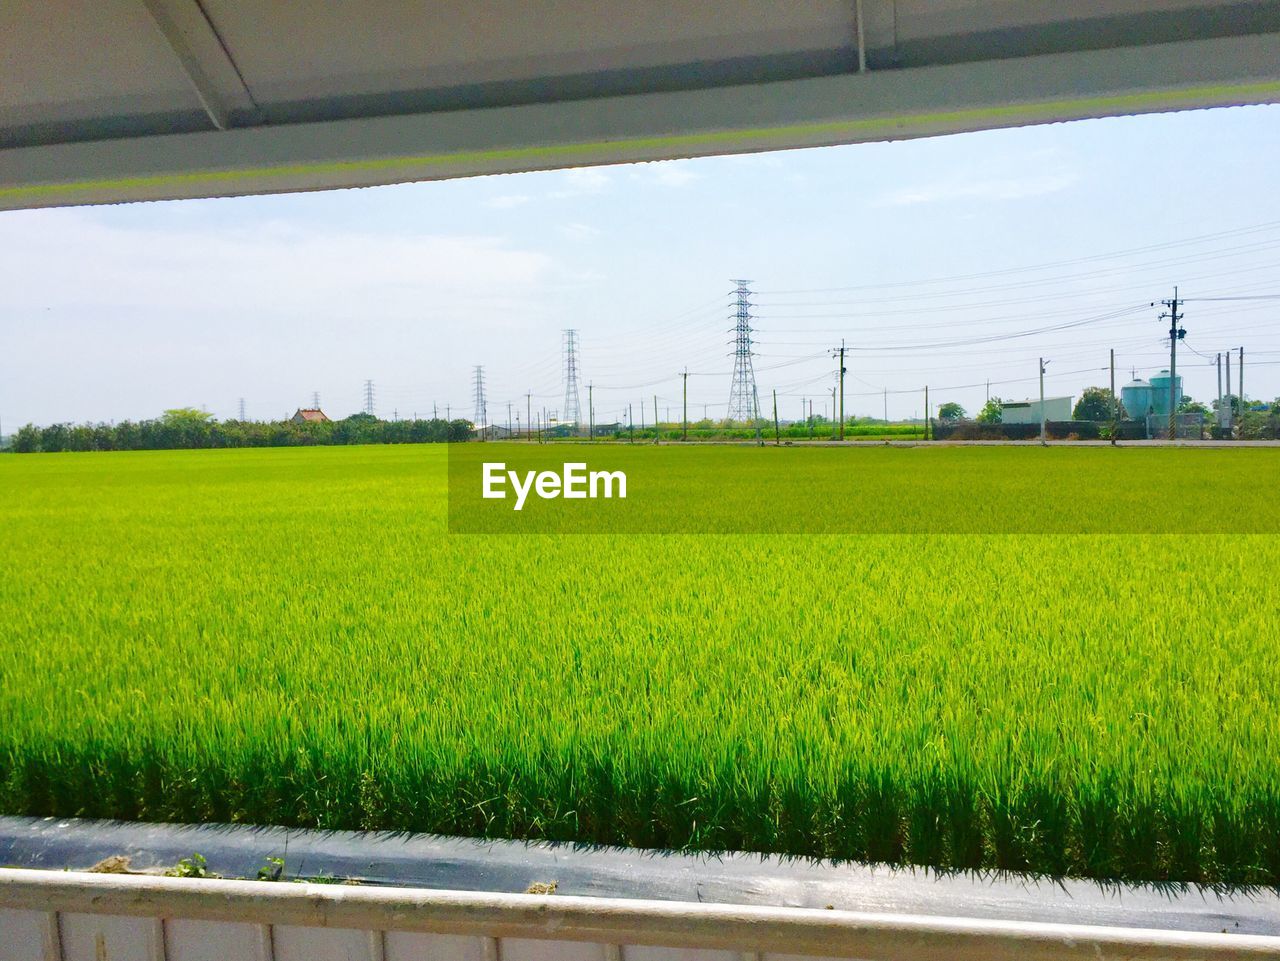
109	100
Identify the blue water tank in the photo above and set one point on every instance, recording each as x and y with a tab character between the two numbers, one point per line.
1136	397
1160	392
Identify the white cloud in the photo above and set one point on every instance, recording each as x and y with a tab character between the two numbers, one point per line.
578	181
72	259
672	173
175	310
579	232
507	201
988	188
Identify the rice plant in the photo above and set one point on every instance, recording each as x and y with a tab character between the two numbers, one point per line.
293	637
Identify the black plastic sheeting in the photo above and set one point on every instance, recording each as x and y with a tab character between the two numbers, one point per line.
462	864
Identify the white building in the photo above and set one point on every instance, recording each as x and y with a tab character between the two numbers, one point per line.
1028	411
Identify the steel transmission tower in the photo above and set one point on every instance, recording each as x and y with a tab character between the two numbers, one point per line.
368	397
315	400
482	414
572	413
242	417
742	392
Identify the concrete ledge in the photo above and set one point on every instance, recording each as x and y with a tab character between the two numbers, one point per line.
733	878
611	921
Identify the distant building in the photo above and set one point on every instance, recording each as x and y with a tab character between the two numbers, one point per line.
1028	411
309	415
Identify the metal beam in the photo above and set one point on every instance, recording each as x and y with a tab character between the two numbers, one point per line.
850	108
204	58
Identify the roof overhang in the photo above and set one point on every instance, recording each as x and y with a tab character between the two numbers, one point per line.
245	120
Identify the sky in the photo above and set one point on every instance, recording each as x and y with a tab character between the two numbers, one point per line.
947	262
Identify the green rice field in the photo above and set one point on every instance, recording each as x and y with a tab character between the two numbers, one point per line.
293	636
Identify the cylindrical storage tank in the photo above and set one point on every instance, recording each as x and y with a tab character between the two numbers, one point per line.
1136	397
1160	392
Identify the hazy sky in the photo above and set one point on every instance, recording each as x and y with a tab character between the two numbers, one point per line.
120	312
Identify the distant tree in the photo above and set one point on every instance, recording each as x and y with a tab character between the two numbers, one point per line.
1096	404
1189	406
1231	402
27	440
1261	421
54	438
991	413
181	416
951	411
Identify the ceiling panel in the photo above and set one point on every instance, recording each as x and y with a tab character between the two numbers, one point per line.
94	62
108	100
512	51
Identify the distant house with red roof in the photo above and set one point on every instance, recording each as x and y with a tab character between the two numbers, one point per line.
309	415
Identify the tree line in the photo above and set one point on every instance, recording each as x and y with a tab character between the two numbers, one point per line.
189	429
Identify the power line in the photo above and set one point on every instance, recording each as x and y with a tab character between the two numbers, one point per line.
1092	258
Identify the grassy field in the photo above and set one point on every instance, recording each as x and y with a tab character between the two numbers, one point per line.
291	636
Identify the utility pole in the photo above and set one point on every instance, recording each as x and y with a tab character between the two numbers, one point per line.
1217	408
927	425
1043	419
656	435
528	413
886	405
684	405
1176	333
1230	407
508	418
839	352
810	420
631	424
755	400
591	413
1115	401
777	431
368	397
1241	379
